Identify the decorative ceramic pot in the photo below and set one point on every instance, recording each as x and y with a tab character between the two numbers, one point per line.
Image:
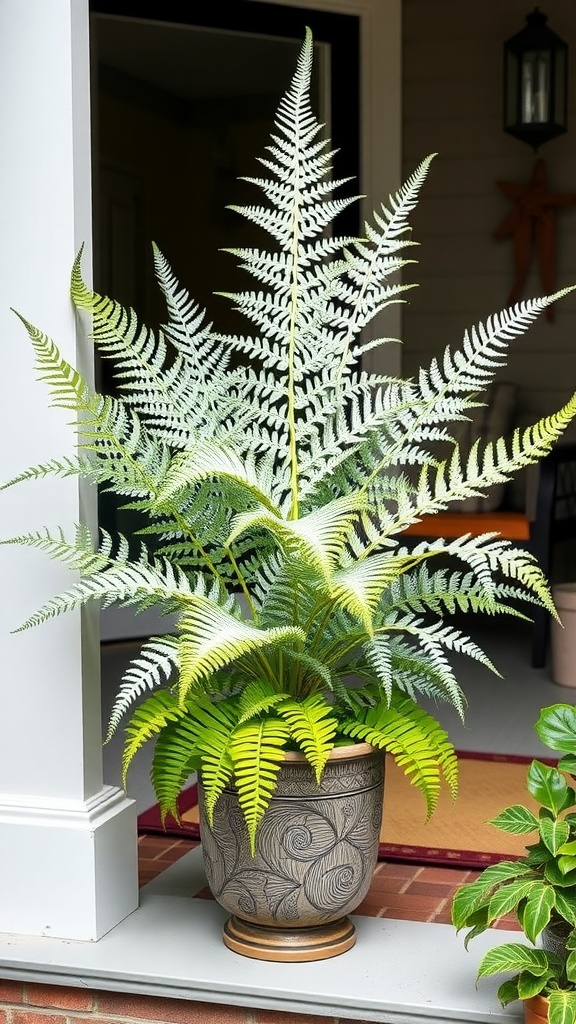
316	849
536	1010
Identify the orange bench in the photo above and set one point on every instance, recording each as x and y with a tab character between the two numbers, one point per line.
511	525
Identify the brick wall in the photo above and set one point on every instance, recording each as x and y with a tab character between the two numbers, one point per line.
53	1004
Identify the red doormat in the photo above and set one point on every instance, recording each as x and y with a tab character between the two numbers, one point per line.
457	833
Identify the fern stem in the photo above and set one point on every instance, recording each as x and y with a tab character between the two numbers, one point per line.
327	611
266	669
242	583
181	522
340	649
294	247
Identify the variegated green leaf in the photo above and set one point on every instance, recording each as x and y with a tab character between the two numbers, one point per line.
561	1007
566	905
536	912
513	956
529	985
554	833
508	896
517	820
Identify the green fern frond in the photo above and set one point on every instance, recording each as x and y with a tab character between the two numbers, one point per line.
490	557
210	638
147	722
258	697
373	263
358	588
257	752
418	744
313	726
495	462
124	581
307	674
78	554
398	660
378	652
438	591
140	359
198	739
64	466
432	638
211	461
214	723
186	328
175	758
67	386
128	454
317	538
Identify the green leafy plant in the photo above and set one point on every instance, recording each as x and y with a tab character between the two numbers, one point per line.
539	888
274	478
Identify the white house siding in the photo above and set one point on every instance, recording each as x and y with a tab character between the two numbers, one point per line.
452	105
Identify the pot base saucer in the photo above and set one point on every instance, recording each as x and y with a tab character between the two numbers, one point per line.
289	945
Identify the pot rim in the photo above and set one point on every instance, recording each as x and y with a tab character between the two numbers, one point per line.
538	1001
347	753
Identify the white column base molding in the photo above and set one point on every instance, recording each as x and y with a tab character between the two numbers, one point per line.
68	868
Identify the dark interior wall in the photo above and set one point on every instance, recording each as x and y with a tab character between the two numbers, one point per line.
167	161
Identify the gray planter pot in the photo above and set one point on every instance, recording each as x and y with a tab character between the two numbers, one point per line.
317	847
554	936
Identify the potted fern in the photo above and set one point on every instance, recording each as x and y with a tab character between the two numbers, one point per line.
274	478
539	888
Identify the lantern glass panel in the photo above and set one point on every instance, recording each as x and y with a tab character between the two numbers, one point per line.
535	87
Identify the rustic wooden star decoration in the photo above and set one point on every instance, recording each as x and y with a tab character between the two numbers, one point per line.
532	225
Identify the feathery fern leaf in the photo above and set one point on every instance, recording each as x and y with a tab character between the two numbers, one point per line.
317	538
313	727
147	722
257	751
275	477
419	745
175	758
155	665
211	638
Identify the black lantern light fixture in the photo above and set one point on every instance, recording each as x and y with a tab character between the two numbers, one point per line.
535	82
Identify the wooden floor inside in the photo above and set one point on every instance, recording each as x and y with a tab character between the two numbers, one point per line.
408	892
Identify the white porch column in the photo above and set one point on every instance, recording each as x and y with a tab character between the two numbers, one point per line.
68	865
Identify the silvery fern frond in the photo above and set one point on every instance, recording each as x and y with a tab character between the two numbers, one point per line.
154	666
273	477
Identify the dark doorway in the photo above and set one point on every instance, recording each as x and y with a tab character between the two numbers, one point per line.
184	99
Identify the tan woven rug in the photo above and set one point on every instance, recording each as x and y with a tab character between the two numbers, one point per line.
457	833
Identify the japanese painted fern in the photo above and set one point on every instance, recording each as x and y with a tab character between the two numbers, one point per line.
270	473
